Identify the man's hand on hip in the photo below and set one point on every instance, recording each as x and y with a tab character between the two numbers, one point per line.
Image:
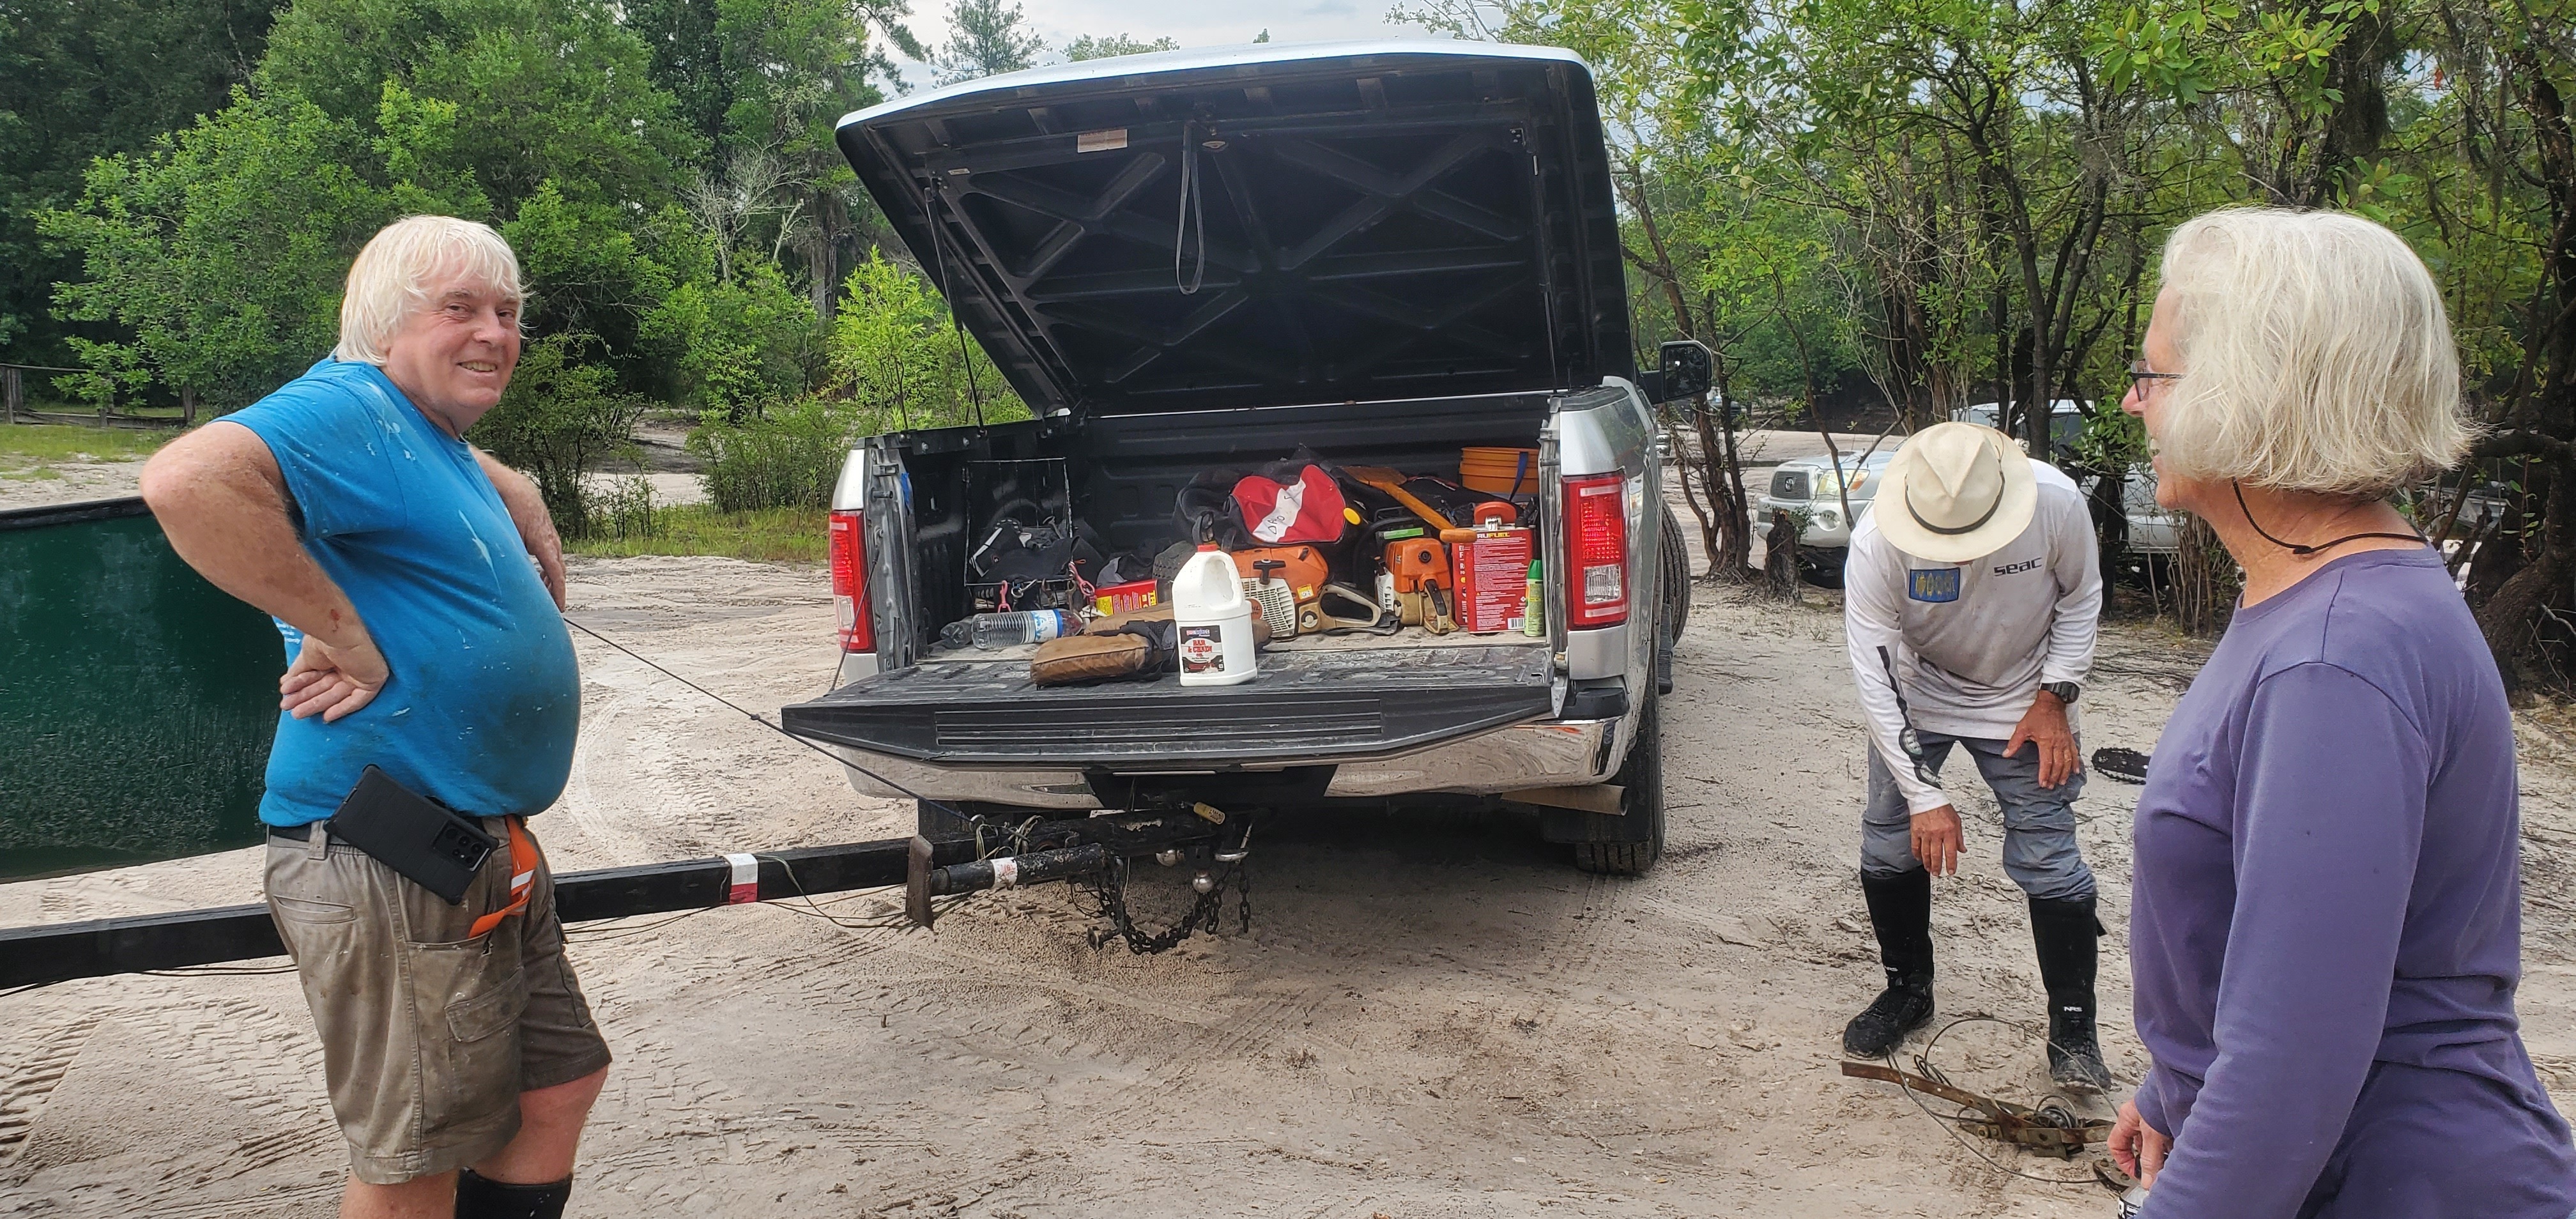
2044	725
1938	839
331	682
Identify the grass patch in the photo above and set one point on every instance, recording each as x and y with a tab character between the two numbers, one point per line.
33	444
767	535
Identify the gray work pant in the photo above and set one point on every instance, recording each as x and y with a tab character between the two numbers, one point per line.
2039	822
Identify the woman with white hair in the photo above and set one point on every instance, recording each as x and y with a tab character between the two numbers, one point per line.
2325	922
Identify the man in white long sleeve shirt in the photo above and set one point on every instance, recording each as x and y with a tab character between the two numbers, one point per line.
1972	594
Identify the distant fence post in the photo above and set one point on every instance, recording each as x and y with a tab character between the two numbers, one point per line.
10	394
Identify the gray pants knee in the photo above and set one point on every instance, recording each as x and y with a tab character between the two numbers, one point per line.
2039	822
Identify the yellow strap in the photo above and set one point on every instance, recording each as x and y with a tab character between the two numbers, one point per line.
523	879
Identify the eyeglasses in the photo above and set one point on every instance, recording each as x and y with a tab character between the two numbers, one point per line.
2140	374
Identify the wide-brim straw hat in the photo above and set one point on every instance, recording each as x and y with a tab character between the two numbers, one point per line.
1955	492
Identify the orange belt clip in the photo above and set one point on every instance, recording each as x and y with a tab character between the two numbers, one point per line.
523	878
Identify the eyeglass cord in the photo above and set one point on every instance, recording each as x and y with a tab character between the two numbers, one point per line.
2304	551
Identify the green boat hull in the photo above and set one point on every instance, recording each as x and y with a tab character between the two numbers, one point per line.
137	701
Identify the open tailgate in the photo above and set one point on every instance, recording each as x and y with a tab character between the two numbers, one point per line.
1304	707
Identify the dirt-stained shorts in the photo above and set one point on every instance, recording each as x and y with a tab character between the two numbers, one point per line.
428	1037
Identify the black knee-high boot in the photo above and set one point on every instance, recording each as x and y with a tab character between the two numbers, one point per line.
1900	911
2067	935
480	1197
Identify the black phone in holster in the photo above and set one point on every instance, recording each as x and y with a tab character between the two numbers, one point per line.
428	843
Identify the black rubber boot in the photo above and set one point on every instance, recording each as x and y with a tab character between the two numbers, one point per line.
2067	935
479	1197
1900	911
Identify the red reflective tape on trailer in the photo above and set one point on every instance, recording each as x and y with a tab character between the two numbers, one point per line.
746	880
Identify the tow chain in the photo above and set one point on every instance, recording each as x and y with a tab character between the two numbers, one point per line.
1109	898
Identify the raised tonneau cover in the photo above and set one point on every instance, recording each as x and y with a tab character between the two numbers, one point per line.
1305	707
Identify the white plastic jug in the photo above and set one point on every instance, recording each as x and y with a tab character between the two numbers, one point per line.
1213	620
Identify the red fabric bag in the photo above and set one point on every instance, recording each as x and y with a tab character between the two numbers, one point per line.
1284	514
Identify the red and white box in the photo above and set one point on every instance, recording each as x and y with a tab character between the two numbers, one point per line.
1492	571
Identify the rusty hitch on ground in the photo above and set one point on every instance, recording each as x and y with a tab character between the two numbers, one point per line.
2000	1120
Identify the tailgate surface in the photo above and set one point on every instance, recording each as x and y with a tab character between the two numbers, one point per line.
1304	706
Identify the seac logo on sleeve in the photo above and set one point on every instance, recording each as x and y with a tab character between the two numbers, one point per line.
1932	583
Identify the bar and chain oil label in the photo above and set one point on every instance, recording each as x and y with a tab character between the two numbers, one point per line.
1201	652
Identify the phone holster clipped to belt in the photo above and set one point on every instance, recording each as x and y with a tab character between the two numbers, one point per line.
428	843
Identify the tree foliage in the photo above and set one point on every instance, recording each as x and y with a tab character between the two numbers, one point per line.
991	38
1103	46
1967	198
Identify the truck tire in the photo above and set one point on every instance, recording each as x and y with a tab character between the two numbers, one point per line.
1642	805
1677	577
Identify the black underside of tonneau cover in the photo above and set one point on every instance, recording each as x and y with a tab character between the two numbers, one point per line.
1304	707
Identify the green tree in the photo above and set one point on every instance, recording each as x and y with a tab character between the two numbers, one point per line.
221	253
74	86
560	417
1102	46
898	356
990	39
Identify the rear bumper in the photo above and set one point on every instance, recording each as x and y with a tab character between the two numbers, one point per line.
1552	754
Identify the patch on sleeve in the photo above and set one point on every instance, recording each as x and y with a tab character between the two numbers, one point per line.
1932	583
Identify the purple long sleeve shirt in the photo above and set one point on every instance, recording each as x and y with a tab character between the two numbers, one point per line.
2326	923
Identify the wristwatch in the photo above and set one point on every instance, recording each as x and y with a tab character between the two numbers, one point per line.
2064	690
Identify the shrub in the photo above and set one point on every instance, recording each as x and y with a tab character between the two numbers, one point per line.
560	416
785	458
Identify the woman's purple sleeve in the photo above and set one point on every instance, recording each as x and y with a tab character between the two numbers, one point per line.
2329	817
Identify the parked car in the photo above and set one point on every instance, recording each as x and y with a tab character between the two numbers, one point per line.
2065	422
1827	500
1393	251
1804	488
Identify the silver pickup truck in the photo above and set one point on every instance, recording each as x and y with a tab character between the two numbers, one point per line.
1382	252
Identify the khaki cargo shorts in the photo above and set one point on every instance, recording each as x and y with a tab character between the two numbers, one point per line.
428	1037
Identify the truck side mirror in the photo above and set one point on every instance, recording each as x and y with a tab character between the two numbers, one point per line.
1686	367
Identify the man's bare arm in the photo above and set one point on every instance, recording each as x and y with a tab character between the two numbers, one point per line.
536	526
222	502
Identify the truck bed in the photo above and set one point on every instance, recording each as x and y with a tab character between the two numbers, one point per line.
1316	699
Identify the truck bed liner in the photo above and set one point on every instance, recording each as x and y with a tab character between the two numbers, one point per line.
1306	706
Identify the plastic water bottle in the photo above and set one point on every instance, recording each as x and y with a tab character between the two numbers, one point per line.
1009	629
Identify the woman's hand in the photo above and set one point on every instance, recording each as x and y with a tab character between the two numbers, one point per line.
2137	1147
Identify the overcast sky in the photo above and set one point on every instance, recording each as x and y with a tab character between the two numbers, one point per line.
1193	23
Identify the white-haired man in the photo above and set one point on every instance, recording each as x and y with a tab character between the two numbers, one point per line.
1971	599
418	586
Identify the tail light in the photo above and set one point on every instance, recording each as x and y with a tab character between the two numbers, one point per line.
1596	550
850	583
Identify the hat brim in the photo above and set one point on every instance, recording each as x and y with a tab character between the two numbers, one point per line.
1897	524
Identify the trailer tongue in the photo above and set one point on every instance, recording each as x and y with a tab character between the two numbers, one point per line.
1095	852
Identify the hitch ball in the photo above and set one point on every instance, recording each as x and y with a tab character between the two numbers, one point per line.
1203	882
1167	857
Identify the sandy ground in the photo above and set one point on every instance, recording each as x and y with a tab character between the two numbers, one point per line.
1431	1015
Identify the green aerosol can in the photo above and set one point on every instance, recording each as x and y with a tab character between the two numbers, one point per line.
1533	605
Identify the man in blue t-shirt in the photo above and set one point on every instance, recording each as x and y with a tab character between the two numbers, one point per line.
417	583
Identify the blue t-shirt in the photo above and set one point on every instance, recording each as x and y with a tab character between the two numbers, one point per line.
485	696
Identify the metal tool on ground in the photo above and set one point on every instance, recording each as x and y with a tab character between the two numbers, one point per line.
2053	1130
2052	1127
2126	765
